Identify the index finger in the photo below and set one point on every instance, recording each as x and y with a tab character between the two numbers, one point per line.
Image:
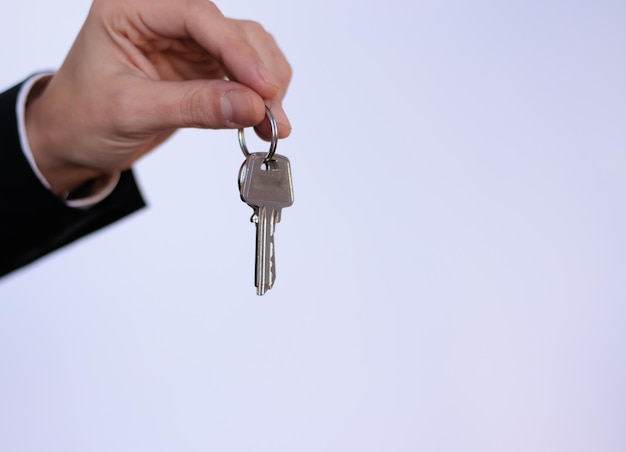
202	21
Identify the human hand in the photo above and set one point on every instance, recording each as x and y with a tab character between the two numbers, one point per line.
141	69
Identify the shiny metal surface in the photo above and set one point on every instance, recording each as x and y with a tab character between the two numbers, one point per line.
267	188
274	140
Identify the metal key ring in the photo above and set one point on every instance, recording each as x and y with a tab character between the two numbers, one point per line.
273	142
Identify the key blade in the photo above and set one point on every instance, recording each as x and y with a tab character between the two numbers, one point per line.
265	269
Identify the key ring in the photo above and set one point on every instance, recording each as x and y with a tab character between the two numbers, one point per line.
273	142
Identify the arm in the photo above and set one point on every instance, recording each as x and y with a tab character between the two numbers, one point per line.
33	221
136	73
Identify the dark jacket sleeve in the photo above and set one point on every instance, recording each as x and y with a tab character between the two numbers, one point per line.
34	222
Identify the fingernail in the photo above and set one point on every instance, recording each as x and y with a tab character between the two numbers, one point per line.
236	106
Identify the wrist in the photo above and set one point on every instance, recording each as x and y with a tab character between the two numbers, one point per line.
44	132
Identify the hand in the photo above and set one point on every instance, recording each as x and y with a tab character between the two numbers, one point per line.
141	69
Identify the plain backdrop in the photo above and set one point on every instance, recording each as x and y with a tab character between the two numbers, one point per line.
451	276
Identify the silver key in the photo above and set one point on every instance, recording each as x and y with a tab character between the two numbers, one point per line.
267	188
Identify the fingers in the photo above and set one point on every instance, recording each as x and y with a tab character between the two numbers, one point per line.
270	53
245	50
222	38
211	104
252	57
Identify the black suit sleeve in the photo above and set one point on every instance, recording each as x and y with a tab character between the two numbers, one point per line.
33	221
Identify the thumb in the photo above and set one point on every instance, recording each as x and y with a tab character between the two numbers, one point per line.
206	104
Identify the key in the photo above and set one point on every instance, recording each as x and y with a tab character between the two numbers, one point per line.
267	188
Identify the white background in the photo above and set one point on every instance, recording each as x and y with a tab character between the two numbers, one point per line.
450	278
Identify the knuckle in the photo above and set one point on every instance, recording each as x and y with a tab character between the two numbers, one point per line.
205	6
198	108
251	27
287	70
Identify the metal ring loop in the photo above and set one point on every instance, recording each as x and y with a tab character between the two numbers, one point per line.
273	142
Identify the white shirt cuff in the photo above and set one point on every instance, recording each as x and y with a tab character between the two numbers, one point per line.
102	190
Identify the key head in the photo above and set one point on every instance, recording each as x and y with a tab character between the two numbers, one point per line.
266	184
